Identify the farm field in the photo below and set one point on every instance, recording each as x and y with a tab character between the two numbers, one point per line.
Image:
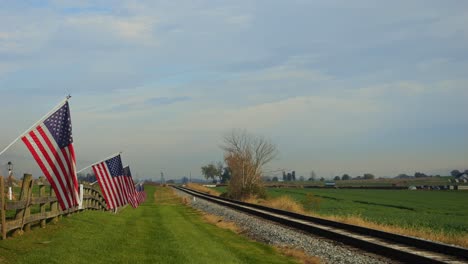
382	182
436	210
162	230
439	215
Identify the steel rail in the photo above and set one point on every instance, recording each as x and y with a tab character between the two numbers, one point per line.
396	247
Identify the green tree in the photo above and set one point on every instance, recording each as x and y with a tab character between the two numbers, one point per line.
345	177
337	178
226	175
456	173
369	176
211	171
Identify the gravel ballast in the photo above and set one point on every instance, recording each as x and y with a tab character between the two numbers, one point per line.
275	234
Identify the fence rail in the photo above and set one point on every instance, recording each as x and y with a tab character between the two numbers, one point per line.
32	208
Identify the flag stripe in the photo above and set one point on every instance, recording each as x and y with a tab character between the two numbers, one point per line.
104	190
109	186
49	169
58	191
118	183
51	145
131	188
112	201
71	151
113	186
115	192
63	177
63	172
124	188
110	176
74	181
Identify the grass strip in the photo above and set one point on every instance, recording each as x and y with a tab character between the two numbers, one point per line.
162	230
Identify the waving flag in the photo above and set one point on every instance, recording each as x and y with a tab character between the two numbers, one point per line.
109	174
51	144
130	187
141	195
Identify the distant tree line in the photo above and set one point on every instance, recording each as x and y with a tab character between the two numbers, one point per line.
216	172
346	177
458	174
88	177
290	176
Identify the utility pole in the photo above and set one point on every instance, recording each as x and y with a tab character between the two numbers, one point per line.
162	178
190	179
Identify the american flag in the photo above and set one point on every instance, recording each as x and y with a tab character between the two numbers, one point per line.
141	195
51	144
109	174
130	187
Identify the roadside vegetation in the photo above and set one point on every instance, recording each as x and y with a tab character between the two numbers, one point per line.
435	215
201	188
161	230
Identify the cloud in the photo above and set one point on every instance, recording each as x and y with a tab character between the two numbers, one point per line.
240	20
147	104
157	101
138	29
324	77
286	72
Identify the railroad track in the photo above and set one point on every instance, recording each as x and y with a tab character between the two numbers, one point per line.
396	247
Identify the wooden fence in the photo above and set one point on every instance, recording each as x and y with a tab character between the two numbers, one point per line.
39	207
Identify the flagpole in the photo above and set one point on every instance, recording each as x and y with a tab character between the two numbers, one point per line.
35	124
111	156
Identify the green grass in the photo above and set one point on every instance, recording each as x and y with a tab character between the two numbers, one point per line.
436	210
164	231
445	211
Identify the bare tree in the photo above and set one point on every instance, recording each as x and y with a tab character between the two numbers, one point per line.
246	154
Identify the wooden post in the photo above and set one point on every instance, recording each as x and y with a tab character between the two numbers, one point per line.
86	204
53	206
2	207
25	192
42	205
27	209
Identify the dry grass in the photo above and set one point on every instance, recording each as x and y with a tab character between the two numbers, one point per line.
283	203
460	240
166	196
219	222
288	204
299	255
201	188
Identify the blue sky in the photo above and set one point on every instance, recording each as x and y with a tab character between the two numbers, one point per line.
340	86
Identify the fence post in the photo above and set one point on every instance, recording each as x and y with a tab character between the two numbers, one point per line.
42	205
26	192
80	202
53	206
95	198
87	205
2	207
27	211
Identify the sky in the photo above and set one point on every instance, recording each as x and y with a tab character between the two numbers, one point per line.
339	86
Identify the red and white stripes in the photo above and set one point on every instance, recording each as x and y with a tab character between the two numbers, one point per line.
58	165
